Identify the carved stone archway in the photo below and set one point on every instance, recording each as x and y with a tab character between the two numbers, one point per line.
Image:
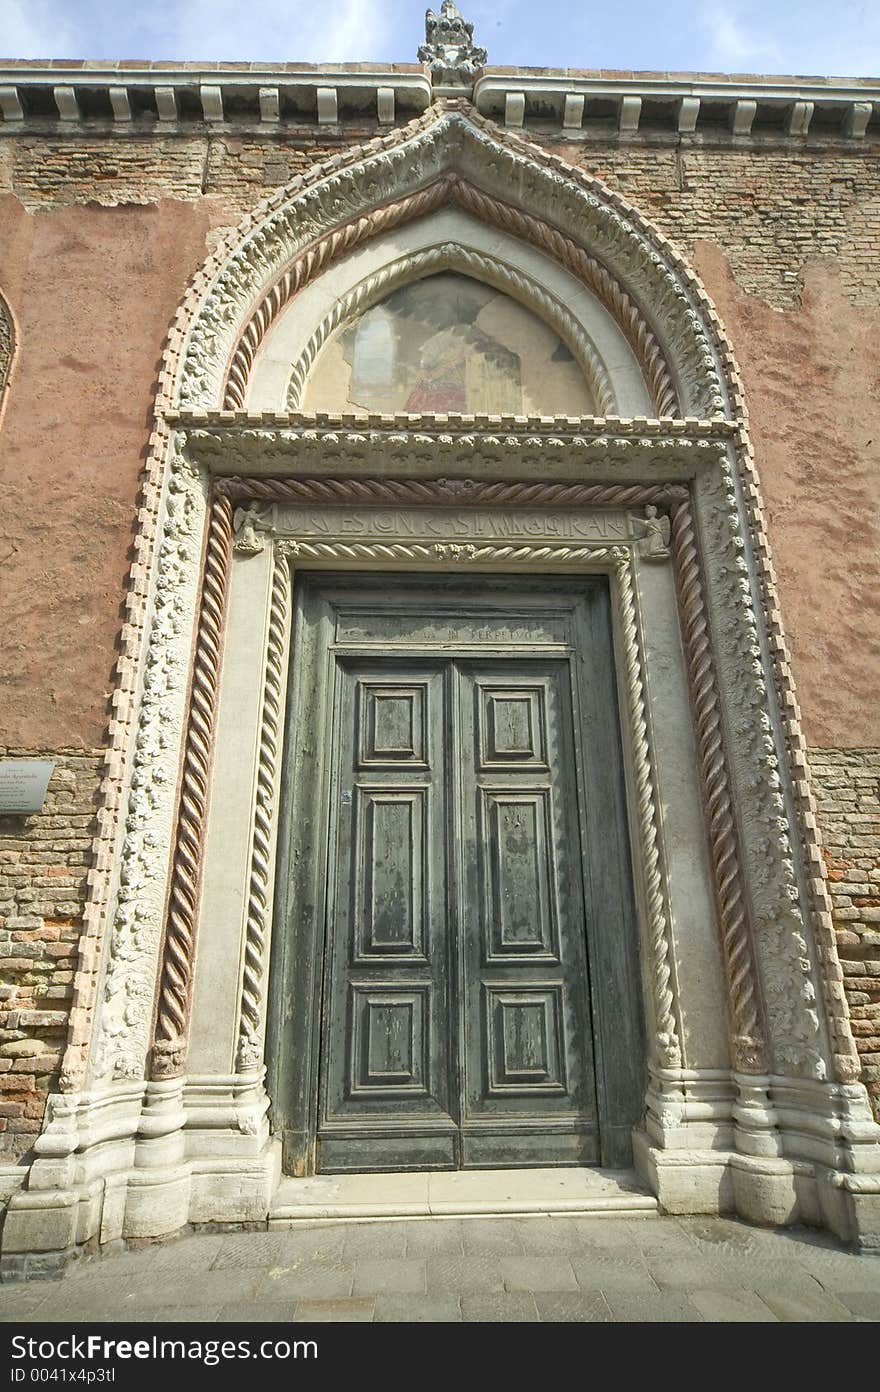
779	1129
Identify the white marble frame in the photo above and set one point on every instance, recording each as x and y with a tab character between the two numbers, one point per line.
127	1158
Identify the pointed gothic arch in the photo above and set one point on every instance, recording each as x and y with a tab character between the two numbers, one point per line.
221	475
450	155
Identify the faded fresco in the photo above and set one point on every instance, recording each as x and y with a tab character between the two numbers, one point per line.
448	344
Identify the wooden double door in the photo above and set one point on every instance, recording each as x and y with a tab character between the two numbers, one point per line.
461	983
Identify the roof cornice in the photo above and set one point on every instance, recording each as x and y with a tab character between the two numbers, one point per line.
66	94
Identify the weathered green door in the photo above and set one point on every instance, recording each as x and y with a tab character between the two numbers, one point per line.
457	905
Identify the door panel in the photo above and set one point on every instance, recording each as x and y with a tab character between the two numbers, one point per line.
527	1047
385	1053
455	916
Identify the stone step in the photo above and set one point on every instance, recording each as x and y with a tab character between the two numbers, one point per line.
459	1194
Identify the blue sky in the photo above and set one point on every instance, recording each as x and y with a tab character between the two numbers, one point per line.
764	36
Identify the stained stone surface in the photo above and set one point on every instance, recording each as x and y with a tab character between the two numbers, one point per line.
613	1269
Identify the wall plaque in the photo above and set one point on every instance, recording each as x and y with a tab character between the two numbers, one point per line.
23	784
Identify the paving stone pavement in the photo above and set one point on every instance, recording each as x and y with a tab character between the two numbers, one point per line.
478	1269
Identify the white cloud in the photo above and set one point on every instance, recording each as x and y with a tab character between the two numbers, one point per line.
758	36
732	43
270	30
33	29
188	30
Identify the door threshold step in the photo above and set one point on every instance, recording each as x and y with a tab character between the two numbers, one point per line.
461	1194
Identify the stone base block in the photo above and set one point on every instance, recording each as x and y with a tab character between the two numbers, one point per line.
44	1228
157	1202
685	1181
774	1193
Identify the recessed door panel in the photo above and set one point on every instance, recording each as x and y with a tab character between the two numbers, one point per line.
385	1044
514	847
527	1049
390	883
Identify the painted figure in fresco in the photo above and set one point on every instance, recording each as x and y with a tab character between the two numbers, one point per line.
441	385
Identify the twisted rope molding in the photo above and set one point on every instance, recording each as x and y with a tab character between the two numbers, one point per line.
451	188
171	1035
463	492
488	269
737	947
659	917
749	1042
175	984
250	1044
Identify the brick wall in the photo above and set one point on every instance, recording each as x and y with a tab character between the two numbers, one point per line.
44	172
43	865
772	207
771	210
847	787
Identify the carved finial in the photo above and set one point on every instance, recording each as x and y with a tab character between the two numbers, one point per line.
449	47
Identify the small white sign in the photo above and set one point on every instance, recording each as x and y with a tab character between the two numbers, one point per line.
23	784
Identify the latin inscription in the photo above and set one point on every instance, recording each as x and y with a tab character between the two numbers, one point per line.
444	524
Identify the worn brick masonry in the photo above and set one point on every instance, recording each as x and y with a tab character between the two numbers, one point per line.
847	787
771	207
43	864
771	210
